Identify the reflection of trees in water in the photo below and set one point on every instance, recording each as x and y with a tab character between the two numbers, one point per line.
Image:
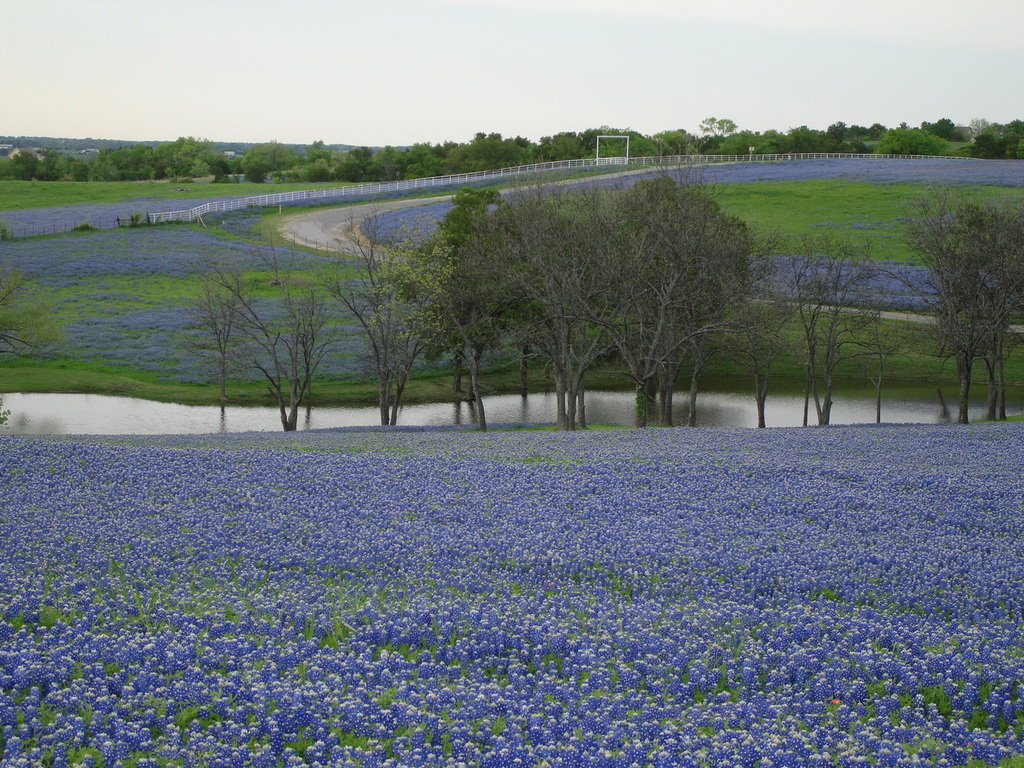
65	414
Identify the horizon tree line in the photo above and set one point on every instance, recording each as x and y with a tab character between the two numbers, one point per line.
189	158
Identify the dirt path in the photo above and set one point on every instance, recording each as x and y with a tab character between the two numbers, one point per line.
338	229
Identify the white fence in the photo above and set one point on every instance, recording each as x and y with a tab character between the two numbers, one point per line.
454	180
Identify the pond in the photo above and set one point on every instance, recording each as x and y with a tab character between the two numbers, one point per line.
100	414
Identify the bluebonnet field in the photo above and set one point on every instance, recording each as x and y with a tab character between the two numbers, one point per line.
43	221
124	296
827	597
417	222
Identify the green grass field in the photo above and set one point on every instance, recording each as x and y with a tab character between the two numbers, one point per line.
865	214
22	195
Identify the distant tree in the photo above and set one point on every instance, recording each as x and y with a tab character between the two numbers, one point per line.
255	167
835	137
263	159
561	146
318	170
384	166
676	142
185	157
944	128
910	141
977	126
876	131
804	139
714	126
740	143
318	151
25	165
354	165
52	165
421	161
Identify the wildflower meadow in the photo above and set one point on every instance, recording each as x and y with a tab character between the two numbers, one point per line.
423	597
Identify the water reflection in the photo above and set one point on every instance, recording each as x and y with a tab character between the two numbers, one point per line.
99	414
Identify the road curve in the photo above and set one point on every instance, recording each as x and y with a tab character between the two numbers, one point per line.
338	229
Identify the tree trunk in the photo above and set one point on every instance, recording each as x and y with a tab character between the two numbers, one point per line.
666	393
396	403
877	381
383	399
691	419
457	372
991	394
964	371
570	407
643	402
581	406
524	371
943	408
1001	388
807	391
760	395
474	385
825	405
560	410
290	418
223	385
666	398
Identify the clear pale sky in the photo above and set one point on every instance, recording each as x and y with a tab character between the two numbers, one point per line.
379	72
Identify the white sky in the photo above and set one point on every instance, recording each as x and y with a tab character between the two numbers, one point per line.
396	72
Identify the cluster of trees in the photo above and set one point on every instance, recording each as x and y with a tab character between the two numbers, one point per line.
975	256
996	141
186	158
652	281
190	158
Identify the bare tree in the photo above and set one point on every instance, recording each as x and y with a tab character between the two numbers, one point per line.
374	299
217	342
289	337
879	344
827	286
975	258
759	337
